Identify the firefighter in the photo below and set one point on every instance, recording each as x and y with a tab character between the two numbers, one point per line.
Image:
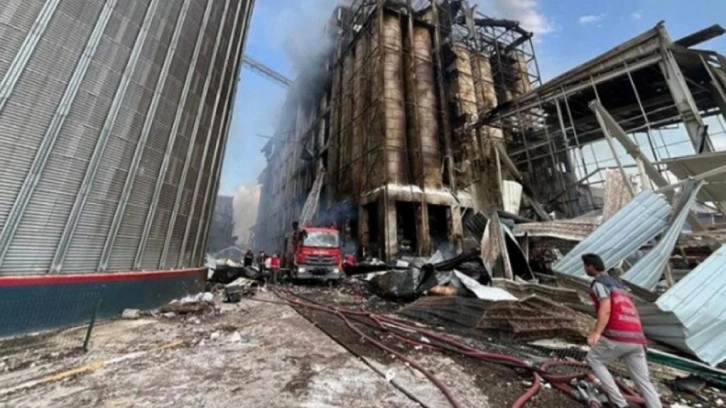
618	335
249	256
274	267
261	257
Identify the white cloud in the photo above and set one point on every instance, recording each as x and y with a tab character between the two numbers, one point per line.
245	204
636	15
527	12
590	18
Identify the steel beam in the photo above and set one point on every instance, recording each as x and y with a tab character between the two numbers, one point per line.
611	127
682	96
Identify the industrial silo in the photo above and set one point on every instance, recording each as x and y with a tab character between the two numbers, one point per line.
113	120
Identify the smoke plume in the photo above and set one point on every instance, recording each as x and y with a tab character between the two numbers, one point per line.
245	205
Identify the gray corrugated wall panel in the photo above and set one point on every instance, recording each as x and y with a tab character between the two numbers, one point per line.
127	225
213	135
16	19
192	161
644	217
201	240
697	302
151	242
71	207
108	184
647	272
167	202
36	223
36	94
79	257
22	55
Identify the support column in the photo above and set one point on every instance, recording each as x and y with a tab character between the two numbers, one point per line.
682	97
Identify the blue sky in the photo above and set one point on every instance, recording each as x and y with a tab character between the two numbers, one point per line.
568	33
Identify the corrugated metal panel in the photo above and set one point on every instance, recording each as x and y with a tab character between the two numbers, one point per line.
122	242
206	183
620	236
191	163
647	272
691	315
64	219
23	243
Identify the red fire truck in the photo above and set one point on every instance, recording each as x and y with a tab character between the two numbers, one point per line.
315	254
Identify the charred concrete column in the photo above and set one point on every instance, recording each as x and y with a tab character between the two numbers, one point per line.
464	96
488	189
346	129
423	140
358	124
393	100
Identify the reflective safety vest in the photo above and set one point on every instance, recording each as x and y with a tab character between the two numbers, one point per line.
274	262
624	324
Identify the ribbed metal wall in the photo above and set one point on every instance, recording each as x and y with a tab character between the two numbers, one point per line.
113	120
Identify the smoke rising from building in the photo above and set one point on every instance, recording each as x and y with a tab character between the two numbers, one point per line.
245	204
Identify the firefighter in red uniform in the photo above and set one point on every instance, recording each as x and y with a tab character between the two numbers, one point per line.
618	334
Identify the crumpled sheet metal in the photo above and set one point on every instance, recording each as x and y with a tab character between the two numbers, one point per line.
691	316
646	273
576	229
534	318
623	234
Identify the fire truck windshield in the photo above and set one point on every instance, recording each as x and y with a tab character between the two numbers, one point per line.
320	239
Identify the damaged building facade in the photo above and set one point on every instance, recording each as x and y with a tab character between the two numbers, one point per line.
386	114
424	113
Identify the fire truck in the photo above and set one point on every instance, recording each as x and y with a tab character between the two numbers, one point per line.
314	254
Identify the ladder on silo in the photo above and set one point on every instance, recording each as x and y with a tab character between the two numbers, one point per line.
311	203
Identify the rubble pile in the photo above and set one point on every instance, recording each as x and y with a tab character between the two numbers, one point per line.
534	318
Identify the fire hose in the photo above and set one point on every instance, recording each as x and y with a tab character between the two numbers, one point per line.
402	331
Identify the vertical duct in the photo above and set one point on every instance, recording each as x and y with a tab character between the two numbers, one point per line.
488	189
424	149
358	122
393	100
346	129
464	97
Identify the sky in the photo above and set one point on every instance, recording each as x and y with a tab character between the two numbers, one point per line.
567	33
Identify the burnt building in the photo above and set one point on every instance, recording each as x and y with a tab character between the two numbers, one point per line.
386	113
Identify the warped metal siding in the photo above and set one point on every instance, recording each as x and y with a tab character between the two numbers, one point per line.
630	228
691	315
647	272
92	93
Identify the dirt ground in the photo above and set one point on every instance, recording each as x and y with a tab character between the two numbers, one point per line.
251	354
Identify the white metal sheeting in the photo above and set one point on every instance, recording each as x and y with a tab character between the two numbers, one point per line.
647	272
620	236
691	315
685	167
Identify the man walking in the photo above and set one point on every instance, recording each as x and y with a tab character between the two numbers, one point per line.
618	334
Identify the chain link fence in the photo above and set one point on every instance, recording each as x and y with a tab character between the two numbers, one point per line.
47	322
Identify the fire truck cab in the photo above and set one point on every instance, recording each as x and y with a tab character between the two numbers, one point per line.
315	255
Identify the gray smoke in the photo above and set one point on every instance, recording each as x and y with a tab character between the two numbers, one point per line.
245	205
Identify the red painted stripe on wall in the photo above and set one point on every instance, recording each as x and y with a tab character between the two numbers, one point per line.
95	277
